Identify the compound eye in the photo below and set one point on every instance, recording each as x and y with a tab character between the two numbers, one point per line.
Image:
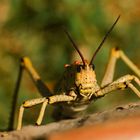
78	68
93	66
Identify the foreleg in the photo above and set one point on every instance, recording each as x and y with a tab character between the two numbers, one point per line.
120	84
45	101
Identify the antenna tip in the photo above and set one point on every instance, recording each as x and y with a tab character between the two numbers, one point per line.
118	17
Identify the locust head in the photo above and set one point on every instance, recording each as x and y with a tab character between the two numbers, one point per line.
85	79
84	76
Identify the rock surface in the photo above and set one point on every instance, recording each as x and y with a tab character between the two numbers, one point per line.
121	122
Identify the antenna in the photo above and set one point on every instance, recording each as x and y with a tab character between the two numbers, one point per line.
74	45
105	37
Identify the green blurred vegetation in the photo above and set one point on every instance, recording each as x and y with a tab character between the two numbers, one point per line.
33	28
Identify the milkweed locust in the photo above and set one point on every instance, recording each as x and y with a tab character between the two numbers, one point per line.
78	86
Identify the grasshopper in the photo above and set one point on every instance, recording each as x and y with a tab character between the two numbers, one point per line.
78	86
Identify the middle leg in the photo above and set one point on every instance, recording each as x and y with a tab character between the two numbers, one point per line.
115	54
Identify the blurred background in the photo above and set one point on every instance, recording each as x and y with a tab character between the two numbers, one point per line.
33	28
